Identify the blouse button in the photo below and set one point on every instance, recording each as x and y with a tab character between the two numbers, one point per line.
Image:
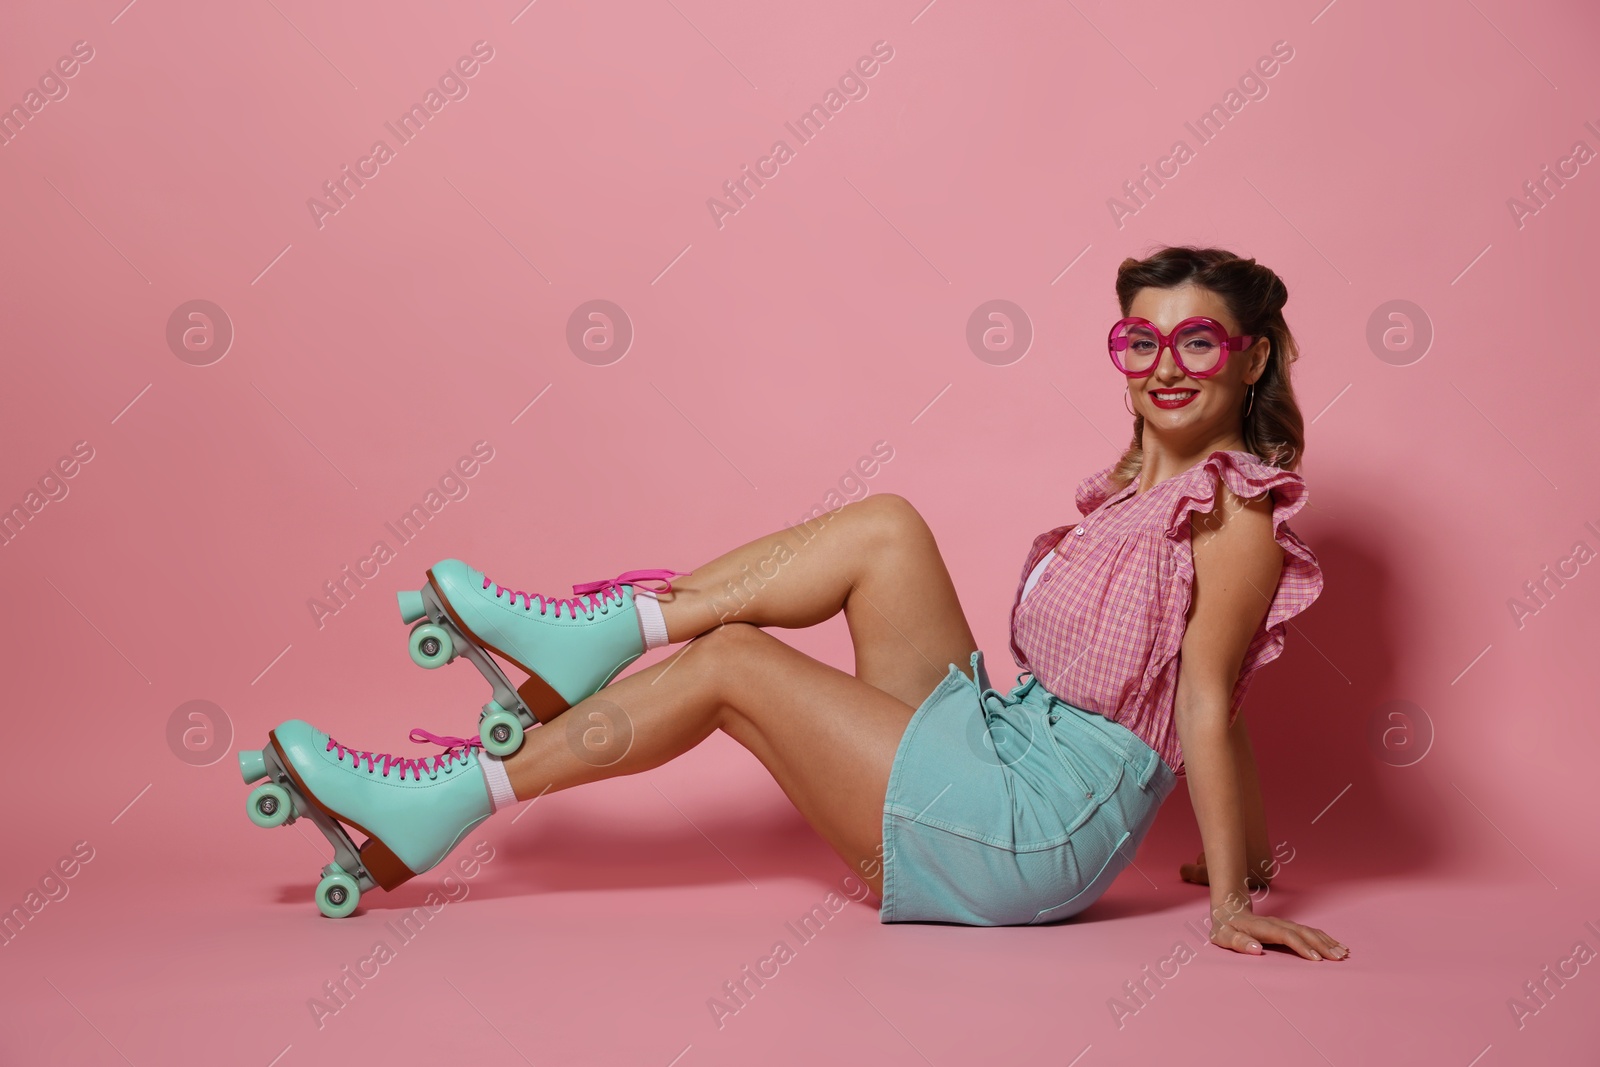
1045	578
1079	531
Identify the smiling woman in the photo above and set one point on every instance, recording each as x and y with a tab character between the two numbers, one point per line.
1221	463
955	801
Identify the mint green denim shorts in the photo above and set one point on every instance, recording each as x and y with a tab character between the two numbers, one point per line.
1011	809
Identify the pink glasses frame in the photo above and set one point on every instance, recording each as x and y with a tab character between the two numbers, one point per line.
1168	341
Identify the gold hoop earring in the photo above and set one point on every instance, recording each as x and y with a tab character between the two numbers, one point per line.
1125	406
1252	400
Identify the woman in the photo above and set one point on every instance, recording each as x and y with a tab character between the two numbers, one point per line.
953	801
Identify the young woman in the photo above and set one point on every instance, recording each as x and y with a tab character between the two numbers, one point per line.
955	802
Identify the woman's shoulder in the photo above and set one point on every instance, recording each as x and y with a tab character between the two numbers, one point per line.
1244	475
1249	466
1247	477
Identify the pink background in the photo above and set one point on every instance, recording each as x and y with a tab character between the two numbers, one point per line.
769	354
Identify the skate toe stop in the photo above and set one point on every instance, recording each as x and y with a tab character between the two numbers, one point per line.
411	606
252	766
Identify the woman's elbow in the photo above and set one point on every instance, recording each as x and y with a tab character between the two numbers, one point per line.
1203	709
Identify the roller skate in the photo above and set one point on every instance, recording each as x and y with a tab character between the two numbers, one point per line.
413	811
569	647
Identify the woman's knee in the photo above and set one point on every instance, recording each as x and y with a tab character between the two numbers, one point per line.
739	665
735	635
730	651
889	519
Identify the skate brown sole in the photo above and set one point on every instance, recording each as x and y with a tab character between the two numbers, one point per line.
379	859
543	701
386	868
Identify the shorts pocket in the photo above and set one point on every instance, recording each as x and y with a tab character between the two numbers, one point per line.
1091	772
1113	866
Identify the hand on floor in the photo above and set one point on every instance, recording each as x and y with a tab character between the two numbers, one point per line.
1248	932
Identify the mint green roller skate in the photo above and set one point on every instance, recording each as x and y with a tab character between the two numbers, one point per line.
569	647
412	811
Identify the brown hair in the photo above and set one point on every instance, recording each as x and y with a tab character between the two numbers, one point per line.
1274	429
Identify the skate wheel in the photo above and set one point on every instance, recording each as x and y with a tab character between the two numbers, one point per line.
269	805
337	894
500	730
431	646
411	606
252	767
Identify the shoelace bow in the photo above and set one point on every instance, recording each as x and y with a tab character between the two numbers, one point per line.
456	748
587	596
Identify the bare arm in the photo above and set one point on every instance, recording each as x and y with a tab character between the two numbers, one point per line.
1258	855
1237	565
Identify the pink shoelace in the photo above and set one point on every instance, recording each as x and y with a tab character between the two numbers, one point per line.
587	596
417	766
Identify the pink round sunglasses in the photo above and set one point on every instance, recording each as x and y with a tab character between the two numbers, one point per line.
1209	335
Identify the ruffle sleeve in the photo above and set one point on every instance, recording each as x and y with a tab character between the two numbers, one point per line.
1093	490
1301	581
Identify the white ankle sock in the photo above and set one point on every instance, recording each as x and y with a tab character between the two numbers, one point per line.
494	773
652	626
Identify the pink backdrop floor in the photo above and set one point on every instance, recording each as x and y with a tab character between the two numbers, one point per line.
1426	741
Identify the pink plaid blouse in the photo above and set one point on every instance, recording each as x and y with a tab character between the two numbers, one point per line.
1103	626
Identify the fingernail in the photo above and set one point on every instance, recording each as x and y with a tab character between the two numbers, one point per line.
1254	947
1314	955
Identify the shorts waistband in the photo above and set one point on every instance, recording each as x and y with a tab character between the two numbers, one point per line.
1144	761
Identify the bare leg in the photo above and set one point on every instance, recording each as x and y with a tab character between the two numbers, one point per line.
874	559
827	738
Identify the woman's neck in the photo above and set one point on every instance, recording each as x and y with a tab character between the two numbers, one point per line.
1167	459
